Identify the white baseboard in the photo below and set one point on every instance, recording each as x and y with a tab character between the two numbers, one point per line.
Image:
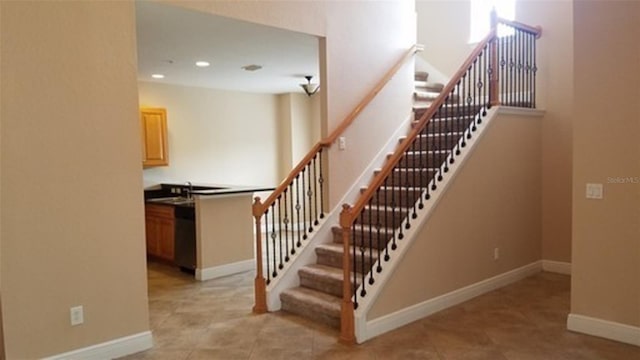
224	270
559	267
418	311
110	349
607	329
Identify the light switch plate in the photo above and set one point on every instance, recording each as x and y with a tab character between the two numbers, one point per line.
595	191
342	143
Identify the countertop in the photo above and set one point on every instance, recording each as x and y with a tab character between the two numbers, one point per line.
206	191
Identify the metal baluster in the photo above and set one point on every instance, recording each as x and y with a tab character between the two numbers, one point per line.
295	233
304	205
393	213
442	123
354	266
315	190
519	62
528	68
309	196
321	180
535	70
280	265
467	77
475	93
512	65
363	274
370	245
273	238
378	236
292	220
298	206
266	240
503	69
285	221
485	70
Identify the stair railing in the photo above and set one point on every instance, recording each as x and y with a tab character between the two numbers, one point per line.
500	70
297	205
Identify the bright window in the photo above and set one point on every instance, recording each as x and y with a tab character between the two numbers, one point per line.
481	17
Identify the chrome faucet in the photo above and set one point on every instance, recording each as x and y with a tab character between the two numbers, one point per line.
189	190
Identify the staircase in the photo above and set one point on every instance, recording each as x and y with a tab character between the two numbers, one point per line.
319	295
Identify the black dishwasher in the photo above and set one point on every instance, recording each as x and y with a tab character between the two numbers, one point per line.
185	238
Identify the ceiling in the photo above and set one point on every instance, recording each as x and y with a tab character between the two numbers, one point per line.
171	39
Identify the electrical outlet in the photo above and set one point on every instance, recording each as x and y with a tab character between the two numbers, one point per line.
77	315
496	253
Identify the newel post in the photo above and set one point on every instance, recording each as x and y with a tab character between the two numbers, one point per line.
347	328
493	76
260	285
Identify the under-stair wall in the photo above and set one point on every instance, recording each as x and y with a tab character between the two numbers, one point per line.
492	201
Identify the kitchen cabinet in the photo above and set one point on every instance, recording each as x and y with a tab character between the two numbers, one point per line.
160	227
155	150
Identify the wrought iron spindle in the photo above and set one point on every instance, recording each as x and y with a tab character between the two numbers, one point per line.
273	239
309	196
321	181
299	220
304	204
393	227
315	190
266	245
285	221
378	237
280	264
354	282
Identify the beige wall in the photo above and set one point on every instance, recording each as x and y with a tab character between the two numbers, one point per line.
216	136
362	40
225	230
491	203
443	29
72	181
606	233
554	90
299	128
72	215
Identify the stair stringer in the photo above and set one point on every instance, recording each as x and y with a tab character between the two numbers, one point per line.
364	304
288	276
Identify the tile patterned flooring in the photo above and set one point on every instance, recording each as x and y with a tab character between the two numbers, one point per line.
194	320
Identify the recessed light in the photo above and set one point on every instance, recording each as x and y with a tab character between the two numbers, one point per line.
157	76
202	63
252	67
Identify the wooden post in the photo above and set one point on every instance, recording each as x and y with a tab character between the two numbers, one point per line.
493	80
259	285
347	328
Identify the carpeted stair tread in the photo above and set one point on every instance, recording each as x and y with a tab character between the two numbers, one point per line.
429	86
383	234
312	304
330	254
327	279
421	76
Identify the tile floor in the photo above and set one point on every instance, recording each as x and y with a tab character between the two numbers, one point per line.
212	320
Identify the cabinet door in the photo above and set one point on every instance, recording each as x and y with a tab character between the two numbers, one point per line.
166	242
155	150
152	225
160	227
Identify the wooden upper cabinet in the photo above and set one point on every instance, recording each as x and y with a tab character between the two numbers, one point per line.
155	151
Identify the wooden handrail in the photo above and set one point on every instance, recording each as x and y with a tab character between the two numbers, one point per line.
536	30
370	96
260	207
378	180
